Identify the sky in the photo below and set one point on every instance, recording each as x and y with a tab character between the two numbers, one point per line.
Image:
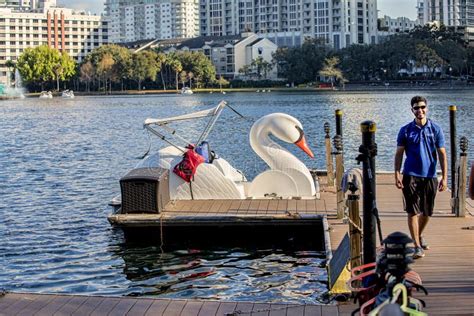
392	8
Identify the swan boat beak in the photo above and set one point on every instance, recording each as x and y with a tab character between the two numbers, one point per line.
301	143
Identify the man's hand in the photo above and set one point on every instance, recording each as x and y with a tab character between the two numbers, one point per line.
443	184
398	180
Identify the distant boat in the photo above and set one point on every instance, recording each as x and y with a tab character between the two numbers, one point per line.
186	90
46	95
68	94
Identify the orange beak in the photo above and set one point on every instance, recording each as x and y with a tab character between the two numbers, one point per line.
304	146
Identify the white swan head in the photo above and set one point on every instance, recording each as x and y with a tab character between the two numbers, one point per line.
284	127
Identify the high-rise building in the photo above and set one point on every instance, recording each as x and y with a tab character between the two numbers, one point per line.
133	20
447	12
27	5
76	33
339	22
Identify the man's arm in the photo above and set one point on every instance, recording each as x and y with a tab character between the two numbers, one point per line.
443	161
398	165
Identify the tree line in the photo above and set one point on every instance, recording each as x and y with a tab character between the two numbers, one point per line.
436	50
113	67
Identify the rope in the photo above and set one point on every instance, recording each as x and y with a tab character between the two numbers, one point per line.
161	234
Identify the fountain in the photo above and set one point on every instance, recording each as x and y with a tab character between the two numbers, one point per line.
15	92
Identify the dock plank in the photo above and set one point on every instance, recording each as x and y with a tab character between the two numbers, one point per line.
296	310
282	206
234	206
157	307
263	206
226	308
244	206
253	207
244	308
301	206
315	310
124	306
192	308
89	305
54	305
209	308
272	207
279	309
105	307
174	308
140	307
73	305
21	302
261	309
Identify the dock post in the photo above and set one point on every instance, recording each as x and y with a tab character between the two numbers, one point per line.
339	174
329	163
339	122
452	134
368	151
462	177
355	229
339	157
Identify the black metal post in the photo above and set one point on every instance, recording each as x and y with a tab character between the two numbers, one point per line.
339	122
368	151
452	134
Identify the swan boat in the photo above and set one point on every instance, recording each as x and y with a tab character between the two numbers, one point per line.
186	90
153	186
46	95
68	94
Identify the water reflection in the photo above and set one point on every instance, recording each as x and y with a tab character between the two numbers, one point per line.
237	274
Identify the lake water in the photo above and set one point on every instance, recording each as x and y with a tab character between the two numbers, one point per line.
60	165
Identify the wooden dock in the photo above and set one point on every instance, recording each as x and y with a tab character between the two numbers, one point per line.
447	269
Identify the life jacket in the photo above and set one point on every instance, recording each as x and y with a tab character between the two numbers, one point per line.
186	168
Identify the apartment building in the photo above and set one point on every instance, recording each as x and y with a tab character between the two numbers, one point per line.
340	22
227	53
396	25
76	33
447	12
134	20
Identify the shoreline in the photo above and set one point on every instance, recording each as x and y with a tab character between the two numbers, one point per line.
349	88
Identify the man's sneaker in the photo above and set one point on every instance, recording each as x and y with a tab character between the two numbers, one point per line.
419	253
424	244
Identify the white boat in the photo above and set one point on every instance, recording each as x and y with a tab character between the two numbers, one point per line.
68	94
186	90
46	95
286	178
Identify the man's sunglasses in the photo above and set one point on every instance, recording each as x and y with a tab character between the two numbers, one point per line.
419	107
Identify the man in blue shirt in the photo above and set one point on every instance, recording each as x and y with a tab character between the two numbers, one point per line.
423	143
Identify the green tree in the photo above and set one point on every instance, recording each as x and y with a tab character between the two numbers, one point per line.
301	64
116	71
144	66
64	69
38	64
426	56
177	67
87	73
105	69
261	67
331	71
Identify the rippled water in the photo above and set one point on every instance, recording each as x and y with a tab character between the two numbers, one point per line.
60	164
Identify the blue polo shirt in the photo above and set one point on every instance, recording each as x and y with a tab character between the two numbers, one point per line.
421	144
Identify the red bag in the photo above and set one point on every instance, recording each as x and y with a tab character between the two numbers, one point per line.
187	167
